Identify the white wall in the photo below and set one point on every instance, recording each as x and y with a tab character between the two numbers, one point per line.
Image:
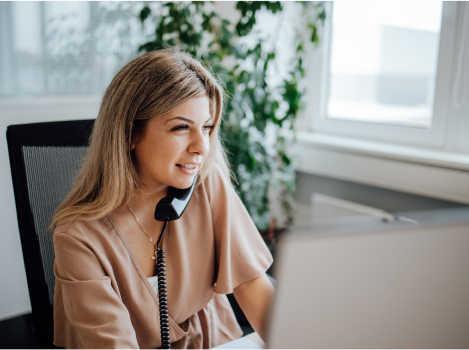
14	296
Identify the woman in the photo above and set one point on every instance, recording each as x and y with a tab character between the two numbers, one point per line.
158	126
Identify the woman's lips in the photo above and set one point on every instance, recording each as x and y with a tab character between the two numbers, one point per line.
186	168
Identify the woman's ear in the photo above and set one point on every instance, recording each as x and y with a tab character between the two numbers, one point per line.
136	135
133	142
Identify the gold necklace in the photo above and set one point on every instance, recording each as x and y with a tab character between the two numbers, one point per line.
155	248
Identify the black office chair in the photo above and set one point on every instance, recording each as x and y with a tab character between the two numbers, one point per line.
44	160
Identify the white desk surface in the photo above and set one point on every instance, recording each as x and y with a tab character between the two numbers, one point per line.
250	341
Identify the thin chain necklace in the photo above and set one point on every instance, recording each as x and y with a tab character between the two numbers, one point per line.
155	248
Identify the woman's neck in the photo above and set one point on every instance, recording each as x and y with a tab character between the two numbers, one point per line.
144	203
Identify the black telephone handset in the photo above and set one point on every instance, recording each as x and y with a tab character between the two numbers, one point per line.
168	209
172	206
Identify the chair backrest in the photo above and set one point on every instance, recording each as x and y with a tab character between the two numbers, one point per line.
44	160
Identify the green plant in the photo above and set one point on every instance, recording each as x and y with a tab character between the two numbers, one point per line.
260	112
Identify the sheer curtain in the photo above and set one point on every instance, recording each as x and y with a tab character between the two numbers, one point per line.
65	48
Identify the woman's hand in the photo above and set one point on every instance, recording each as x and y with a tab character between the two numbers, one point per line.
254	298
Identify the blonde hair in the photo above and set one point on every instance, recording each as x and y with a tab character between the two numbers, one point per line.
147	87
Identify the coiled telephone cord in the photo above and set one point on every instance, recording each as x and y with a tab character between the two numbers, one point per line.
162	294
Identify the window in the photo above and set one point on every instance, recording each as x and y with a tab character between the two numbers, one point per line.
385	72
383	62
65	48
365	139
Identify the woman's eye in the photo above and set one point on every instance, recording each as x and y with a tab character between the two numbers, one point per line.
180	127
209	127
186	127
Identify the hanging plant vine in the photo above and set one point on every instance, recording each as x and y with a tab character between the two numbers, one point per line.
258	113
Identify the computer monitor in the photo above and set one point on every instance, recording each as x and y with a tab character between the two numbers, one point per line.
374	285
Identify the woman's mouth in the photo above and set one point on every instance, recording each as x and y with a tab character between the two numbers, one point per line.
189	169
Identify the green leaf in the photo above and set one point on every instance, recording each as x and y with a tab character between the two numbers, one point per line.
144	13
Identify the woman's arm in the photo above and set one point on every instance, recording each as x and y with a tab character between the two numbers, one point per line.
254	298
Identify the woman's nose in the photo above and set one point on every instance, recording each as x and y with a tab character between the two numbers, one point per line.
200	143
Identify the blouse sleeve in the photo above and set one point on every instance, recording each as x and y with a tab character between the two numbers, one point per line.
90	302
241	254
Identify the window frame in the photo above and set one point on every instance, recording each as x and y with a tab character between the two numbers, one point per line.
434	137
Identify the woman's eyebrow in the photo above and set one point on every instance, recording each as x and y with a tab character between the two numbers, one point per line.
185	119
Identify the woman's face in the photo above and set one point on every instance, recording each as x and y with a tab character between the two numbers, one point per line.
175	145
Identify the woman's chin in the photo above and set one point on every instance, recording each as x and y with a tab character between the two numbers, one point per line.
183	182
184	177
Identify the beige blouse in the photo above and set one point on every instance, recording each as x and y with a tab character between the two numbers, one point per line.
104	300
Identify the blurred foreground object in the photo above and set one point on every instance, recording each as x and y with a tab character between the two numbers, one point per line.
362	282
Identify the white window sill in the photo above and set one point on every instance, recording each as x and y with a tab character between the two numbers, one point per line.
39	109
432	173
437	158
45	102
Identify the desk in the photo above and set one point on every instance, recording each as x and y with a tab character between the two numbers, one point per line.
250	341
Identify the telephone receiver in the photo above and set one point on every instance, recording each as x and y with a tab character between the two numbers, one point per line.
169	208
173	205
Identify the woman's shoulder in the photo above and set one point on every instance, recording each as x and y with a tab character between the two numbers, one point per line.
216	190
82	228
215	179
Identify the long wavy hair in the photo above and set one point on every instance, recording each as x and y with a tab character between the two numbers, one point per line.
147	87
